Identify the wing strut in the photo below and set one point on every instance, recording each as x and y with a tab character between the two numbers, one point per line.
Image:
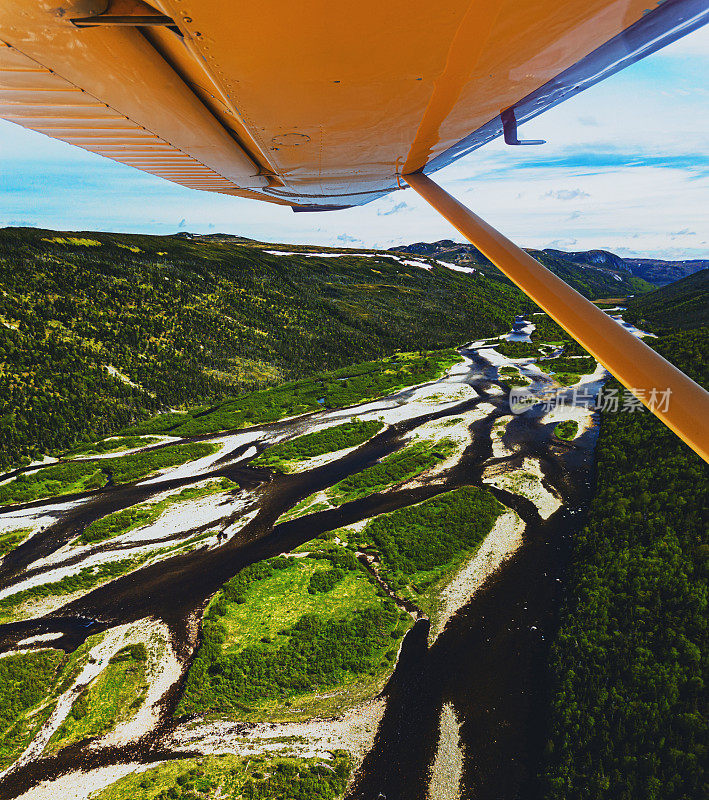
637	366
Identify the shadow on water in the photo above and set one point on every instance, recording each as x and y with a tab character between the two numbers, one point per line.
490	664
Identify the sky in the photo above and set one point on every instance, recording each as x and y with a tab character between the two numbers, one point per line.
625	168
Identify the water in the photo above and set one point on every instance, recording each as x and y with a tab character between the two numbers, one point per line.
489	663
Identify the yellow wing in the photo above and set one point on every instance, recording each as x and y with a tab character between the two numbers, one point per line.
319	104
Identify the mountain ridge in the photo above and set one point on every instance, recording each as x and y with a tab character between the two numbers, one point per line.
658	272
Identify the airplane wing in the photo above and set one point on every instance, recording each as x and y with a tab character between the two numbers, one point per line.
320	104
326	104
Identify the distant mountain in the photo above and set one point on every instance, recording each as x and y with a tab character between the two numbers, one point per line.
681	305
600	259
599	274
652	270
225	238
663	272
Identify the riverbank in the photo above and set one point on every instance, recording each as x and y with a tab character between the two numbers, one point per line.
502	541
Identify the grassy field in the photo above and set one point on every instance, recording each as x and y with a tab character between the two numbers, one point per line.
286	456
138	516
275	604
342	387
114	695
420	546
52	481
281	631
230	777
138	465
30	684
395	468
11	539
80	476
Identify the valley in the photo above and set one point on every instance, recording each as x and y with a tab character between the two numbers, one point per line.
356	562
279	619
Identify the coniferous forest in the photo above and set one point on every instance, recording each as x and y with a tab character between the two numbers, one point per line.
100	332
628	717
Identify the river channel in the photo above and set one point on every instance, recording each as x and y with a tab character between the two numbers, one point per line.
489	662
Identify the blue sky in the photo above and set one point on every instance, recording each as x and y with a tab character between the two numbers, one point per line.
626	168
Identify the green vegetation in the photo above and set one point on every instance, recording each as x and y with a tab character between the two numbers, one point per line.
573	348
335	389
25	680
232	778
421	545
568	371
592	282
29	686
350	434
682	305
83	580
581	366
258	655
567	429
518	349
79	476
113	445
396	468
628	664
113	696
128	519
546	330
119	522
310	505
512	376
195	321
138	465
11	539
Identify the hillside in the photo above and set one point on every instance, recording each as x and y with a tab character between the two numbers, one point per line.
100	330
683	305
654	270
628	702
595	274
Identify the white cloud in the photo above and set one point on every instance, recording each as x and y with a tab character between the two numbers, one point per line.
393	210
567	194
561	244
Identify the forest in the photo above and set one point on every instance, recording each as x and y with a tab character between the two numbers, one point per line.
628	715
680	305
418	543
95	337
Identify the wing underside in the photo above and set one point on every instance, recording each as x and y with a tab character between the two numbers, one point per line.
317	105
